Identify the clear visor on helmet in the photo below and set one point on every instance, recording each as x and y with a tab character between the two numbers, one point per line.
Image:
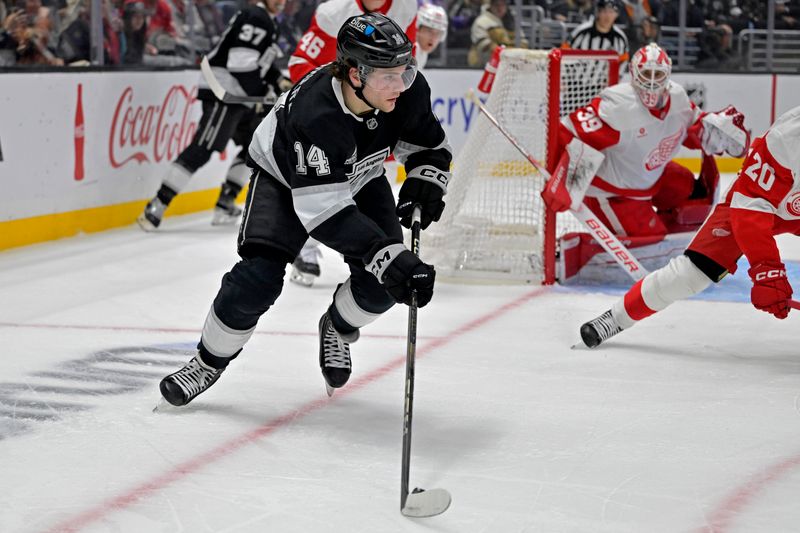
395	79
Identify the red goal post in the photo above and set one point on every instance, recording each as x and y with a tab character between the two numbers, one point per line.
495	227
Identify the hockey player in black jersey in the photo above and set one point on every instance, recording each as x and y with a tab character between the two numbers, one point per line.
242	62
318	170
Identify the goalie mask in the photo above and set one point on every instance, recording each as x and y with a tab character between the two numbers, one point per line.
650	70
372	41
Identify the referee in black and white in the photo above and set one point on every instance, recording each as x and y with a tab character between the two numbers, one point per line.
600	33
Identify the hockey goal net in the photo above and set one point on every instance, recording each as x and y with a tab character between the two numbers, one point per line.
495	226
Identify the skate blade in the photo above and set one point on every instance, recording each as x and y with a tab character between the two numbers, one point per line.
163	406
306	280
224	219
423	503
330	390
145	224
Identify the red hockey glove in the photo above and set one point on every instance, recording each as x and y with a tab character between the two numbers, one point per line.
771	289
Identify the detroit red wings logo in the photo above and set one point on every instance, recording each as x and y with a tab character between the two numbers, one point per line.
793	205
663	152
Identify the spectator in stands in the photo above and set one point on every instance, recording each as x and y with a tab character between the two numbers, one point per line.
669	14
637	10
134	21
716	48
493	27
28	32
600	32
787	13
568	10
646	32
74	43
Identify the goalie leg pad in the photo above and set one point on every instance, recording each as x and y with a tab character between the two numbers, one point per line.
575	171
678	280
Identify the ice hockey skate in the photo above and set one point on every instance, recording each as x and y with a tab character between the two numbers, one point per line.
305	268
183	386
334	354
151	217
226	211
599	330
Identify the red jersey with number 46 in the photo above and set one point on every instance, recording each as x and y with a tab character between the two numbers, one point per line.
765	198
637	143
318	45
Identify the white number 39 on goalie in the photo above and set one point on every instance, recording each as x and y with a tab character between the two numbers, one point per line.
315	159
589	120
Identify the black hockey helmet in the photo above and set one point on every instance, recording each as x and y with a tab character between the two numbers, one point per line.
613	4
373	40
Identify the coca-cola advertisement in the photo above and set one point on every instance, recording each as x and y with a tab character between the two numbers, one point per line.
146	131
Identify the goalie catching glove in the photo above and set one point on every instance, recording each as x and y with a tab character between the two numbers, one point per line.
575	171
425	186
400	272
724	131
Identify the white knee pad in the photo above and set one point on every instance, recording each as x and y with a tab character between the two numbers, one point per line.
677	280
177	177
221	340
239	172
348	308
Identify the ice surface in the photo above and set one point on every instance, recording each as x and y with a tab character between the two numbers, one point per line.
688	422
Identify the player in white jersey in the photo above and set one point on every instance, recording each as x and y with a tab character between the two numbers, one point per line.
764	201
619	147
431	30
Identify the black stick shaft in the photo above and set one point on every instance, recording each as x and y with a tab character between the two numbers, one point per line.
411	349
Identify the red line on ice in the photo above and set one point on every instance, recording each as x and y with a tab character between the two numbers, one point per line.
193	465
720	520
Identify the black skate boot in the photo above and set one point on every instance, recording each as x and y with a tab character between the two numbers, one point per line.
334	354
150	219
226	211
181	387
305	268
600	329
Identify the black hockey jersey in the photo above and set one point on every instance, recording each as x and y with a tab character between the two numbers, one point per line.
312	143
242	59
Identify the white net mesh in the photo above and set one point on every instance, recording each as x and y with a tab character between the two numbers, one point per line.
493	226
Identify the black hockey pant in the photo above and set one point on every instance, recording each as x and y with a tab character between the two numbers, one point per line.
270	237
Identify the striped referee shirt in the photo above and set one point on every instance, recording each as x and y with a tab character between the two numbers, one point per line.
587	37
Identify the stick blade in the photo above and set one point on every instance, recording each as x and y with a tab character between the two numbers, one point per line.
424	503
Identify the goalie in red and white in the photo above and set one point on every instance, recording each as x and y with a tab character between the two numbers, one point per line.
764	201
618	151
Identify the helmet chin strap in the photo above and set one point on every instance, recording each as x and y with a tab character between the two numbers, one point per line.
360	93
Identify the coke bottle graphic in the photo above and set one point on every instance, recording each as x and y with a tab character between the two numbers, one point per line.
79	134
490	71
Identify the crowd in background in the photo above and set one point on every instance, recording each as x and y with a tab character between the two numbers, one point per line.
163	32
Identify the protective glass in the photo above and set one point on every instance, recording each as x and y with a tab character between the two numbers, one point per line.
390	79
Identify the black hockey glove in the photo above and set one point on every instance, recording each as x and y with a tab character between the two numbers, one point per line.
425	193
401	271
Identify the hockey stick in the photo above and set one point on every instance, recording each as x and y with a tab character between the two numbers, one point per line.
224	96
626	260
419	503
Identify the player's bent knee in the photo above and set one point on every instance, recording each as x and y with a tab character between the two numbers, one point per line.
248	291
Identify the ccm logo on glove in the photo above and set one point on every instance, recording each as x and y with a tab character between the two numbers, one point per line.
770	274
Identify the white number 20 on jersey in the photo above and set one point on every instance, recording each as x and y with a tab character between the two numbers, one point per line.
315	159
761	173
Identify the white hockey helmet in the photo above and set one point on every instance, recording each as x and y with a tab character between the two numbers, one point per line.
650	70
432	16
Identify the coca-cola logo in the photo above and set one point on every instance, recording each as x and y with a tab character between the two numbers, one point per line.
150	133
663	152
